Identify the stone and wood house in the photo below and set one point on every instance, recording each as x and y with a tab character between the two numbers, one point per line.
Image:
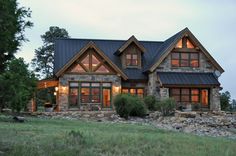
91	72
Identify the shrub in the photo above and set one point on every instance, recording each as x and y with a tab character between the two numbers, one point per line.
151	102
127	105
167	106
138	107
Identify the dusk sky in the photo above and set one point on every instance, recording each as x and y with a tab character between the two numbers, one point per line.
213	22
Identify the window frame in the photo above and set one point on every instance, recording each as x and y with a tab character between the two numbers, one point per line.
189	94
189	59
136	91
131	60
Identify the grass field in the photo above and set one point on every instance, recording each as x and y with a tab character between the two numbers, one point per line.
63	137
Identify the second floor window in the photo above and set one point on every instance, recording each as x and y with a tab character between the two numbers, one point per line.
131	59
185	59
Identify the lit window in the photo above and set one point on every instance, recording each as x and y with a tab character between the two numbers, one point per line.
131	59
134	91
184	59
102	69
85	62
73	96
95	62
78	68
179	44
189	44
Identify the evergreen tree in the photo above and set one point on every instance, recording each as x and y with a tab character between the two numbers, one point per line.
13	22
44	55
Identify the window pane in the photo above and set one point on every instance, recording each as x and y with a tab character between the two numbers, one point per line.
128	56
194	56
102	69
135	56
175	56
176	98
194	63
106	84
194	91
185	91
175	91
195	98
189	44
204	97
95	99
95	91
85	62
175	63
185	98
134	62
125	91
78	68
140	91
95	62
74	84
95	84
85	95
184	63
179	44
73	96
85	84
184	56
106	94
132	91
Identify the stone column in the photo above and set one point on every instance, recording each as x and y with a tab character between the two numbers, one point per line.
63	92
164	93
153	88
215	99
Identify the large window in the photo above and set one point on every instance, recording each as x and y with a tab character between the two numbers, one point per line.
91	62
133	91
90	93
190	95
131	59
181	59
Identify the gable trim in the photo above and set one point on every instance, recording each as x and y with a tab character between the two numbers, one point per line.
186	31
82	51
128	42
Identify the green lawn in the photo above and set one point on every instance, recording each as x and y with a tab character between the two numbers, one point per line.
65	137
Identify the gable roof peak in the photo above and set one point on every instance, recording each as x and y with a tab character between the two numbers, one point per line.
132	39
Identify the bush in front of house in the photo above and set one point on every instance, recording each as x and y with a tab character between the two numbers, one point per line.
166	106
138	107
127	105
151	102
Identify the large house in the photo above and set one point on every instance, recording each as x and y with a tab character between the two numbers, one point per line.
91	72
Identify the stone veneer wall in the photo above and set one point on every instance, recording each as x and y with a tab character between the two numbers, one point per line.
215	99
64	85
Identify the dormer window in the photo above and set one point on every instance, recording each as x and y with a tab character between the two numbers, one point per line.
131	59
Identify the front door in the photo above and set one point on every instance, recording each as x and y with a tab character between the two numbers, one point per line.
106	97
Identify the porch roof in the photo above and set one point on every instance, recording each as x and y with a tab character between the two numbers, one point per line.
190	79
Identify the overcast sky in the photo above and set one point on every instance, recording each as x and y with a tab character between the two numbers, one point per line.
213	22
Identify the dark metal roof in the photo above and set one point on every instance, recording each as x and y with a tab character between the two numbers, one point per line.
66	49
180	78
